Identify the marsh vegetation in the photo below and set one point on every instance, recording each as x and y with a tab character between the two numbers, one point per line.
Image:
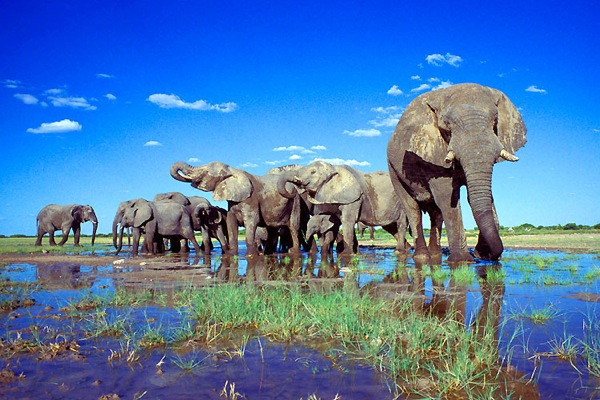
368	325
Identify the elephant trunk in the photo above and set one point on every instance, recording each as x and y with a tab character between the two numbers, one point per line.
284	179
94	229
182	171
119	246
479	187
114	229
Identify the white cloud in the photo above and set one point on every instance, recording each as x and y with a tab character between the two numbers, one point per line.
11	83
596	130
193	160
421	88
394	91
415	78
433	80
340	161
443	84
387	122
276	162
289	148
26	98
295	157
438	59
54	91
318	147
66	125
73	102
387	116
105	76
363	133
152	143
110	96
173	101
535	89
249	165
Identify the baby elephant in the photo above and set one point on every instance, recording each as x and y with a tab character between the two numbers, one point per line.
55	217
326	227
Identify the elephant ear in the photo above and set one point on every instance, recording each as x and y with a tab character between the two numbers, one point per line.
341	188
237	187
421	120
76	212
143	214
327	224
511	129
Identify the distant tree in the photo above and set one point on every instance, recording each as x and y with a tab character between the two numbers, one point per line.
597	226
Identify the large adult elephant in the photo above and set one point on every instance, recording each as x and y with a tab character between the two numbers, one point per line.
252	200
54	217
156	221
446	139
359	197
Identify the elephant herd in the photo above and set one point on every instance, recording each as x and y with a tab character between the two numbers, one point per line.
445	139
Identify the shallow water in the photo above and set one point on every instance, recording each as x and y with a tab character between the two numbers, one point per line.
534	280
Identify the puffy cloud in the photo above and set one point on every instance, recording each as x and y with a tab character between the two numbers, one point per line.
387	116
421	88
294	157
11	83
193	160
73	102
443	84
152	143
26	98
318	147
363	133
249	165
66	125
438	59
173	101
105	76
341	161
110	96
395	91
415	78
535	89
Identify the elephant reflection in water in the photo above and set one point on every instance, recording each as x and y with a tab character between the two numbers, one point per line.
64	276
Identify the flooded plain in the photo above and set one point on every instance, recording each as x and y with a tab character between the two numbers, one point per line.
544	306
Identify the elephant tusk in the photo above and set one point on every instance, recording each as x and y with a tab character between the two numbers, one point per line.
186	176
450	157
314	201
508	156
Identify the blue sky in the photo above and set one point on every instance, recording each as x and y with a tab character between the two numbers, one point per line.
99	99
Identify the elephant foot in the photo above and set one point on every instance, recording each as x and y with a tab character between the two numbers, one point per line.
460	256
421	255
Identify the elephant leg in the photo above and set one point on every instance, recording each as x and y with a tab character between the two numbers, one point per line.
294	227
222	238
136	242
76	235
192	238
447	199
232	233
435	247
51	239
349	218
206	243
40	234
65	235
415	218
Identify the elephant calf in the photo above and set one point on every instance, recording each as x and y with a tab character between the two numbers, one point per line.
55	217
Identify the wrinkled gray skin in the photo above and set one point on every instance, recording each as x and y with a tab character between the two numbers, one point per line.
212	221
365	197
56	217
118	221
253	201
326	227
156	221
446	139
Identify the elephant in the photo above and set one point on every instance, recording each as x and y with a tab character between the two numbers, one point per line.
361	230
446	139
326	227
54	217
359	197
156	221
253	201
118	220
210	220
